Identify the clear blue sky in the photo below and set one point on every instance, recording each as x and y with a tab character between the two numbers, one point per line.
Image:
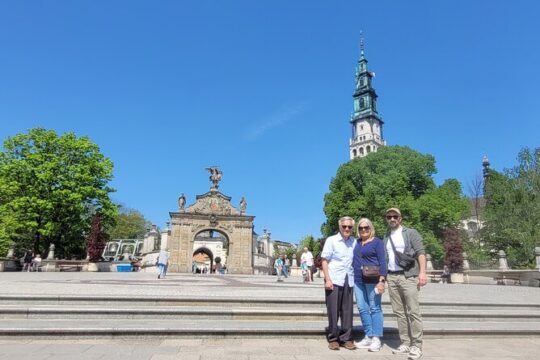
263	89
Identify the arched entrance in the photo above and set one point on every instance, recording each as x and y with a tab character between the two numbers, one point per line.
209	245
203	261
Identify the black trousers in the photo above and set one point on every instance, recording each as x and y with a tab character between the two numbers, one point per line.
339	306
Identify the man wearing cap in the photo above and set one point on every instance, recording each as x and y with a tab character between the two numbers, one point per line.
337	258
404	283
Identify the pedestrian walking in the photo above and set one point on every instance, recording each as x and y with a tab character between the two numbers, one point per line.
163	263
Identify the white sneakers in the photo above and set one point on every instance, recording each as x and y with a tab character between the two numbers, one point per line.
415	353
376	344
401	350
372	344
365	343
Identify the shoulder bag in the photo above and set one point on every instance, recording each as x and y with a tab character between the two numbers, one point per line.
370	271
403	260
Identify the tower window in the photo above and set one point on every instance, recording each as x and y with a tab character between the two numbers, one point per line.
361	151
368	149
354	153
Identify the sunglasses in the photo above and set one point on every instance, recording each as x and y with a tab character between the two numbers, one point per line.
390	217
346	226
363	228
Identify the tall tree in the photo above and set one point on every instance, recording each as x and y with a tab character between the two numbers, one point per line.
131	224
50	186
395	176
512	209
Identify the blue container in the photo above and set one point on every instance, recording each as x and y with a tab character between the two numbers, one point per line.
123	268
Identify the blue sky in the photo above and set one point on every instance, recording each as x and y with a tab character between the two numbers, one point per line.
263	89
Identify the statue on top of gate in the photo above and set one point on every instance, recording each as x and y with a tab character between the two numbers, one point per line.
215	177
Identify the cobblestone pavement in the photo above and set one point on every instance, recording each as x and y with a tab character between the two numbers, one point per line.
257	349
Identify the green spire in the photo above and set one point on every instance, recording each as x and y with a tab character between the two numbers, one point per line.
365	97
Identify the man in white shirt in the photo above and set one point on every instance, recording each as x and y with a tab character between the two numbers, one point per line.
337	258
404	283
163	263
307	257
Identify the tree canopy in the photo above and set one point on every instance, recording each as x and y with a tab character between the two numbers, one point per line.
131	224
512	209
50	187
395	176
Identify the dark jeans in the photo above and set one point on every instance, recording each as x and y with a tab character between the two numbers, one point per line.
339	306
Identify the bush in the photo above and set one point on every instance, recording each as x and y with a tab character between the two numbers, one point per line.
453	250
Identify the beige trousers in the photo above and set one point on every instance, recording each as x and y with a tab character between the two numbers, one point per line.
404	298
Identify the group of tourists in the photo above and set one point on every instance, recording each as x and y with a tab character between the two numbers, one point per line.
281	267
31	262
367	267
307	266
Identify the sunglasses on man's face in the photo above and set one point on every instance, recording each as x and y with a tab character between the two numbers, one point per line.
363	228
346	226
390	217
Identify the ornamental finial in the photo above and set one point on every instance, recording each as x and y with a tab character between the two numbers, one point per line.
361	43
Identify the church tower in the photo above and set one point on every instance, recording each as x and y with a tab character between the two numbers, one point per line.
367	125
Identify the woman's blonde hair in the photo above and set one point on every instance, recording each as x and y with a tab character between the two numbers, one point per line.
369	223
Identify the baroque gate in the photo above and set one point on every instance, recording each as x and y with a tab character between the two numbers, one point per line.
211	212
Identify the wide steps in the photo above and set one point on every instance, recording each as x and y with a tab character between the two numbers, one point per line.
85	311
72	316
236	328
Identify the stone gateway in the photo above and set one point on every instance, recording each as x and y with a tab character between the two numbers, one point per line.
211	227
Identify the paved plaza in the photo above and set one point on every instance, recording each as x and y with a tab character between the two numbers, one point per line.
146	285
256	349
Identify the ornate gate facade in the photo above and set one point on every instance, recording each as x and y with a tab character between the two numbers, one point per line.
211	211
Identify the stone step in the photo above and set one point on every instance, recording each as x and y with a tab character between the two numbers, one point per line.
160	328
231	302
11	311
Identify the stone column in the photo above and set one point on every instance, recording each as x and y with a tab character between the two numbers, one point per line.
503	263
429	263
537	253
466	267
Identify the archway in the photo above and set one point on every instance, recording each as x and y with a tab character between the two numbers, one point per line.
209	245
203	261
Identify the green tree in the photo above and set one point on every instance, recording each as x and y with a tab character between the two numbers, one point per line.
131	224
395	176
512	208
50	187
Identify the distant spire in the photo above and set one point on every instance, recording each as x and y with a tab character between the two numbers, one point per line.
361	43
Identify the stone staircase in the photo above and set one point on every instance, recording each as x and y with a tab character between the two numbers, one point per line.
79	316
